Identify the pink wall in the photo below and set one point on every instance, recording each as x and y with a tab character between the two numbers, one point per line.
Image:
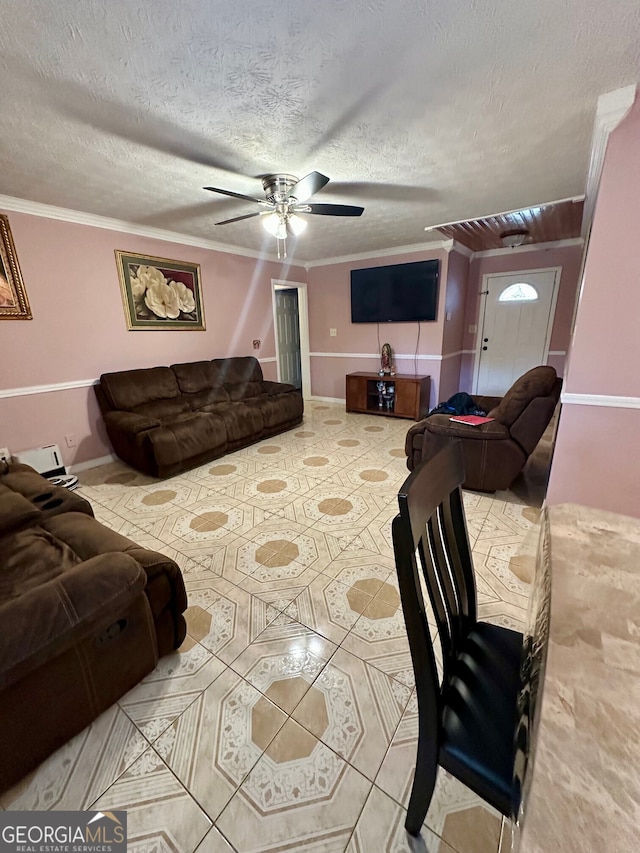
453	336
595	462
329	291
79	331
595	459
606	341
455	303
568	257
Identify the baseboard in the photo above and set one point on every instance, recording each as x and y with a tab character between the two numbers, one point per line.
91	463
316	399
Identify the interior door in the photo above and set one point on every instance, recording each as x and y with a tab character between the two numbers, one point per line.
515	328
288	323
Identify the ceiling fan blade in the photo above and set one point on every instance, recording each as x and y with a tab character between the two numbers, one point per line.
237	218
308	186
236	195
333	209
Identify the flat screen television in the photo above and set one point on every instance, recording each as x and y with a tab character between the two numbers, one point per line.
398	293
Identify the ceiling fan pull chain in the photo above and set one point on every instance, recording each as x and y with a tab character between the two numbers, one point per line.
282	248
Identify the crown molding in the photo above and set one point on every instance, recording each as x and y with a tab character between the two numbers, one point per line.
434	246
529	247
611	110
93	220
461	249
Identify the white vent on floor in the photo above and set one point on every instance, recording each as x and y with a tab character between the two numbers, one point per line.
46	460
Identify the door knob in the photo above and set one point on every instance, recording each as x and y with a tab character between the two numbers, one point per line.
484	348
486	340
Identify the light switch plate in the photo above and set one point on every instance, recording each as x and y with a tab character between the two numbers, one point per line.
333	333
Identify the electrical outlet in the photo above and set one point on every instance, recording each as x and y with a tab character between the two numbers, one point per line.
71	440
5	456
256	343
473	330
333	333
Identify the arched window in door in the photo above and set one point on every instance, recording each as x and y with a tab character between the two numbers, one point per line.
520	292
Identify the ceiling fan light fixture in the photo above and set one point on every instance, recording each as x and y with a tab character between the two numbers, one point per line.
284	196
276	225
297	223
513	239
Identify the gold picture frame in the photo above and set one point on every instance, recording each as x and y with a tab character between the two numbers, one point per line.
159	294
14	304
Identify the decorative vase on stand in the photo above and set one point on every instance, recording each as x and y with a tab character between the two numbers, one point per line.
385	360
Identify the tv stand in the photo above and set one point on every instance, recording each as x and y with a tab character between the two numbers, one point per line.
401	396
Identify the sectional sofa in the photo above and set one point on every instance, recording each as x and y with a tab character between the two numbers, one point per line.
163	420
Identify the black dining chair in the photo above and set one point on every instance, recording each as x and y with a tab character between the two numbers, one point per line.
470	719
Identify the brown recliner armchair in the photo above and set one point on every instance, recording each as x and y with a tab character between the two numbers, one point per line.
85	615
495	452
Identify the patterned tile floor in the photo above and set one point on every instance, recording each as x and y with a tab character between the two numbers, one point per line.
287	719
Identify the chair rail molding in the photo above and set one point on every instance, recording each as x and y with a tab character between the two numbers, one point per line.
376	355
74	383
530	247
46	389
607	400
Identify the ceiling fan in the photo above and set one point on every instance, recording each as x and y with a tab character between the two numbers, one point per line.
286	198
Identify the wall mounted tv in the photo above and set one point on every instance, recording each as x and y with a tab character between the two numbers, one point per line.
398	293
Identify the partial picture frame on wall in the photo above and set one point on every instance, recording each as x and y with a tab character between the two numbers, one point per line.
14	304
159	294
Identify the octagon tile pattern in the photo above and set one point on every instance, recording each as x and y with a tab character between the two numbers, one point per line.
287	718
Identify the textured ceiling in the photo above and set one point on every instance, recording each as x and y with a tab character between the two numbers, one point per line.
422	112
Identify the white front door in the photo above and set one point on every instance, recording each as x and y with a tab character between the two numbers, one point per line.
515	327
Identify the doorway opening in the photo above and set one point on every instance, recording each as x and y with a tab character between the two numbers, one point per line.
516	316
291	332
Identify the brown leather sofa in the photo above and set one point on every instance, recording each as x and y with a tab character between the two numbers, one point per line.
163	420
85	614
495	452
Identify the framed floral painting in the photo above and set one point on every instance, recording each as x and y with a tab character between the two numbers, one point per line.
159	293
14	304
